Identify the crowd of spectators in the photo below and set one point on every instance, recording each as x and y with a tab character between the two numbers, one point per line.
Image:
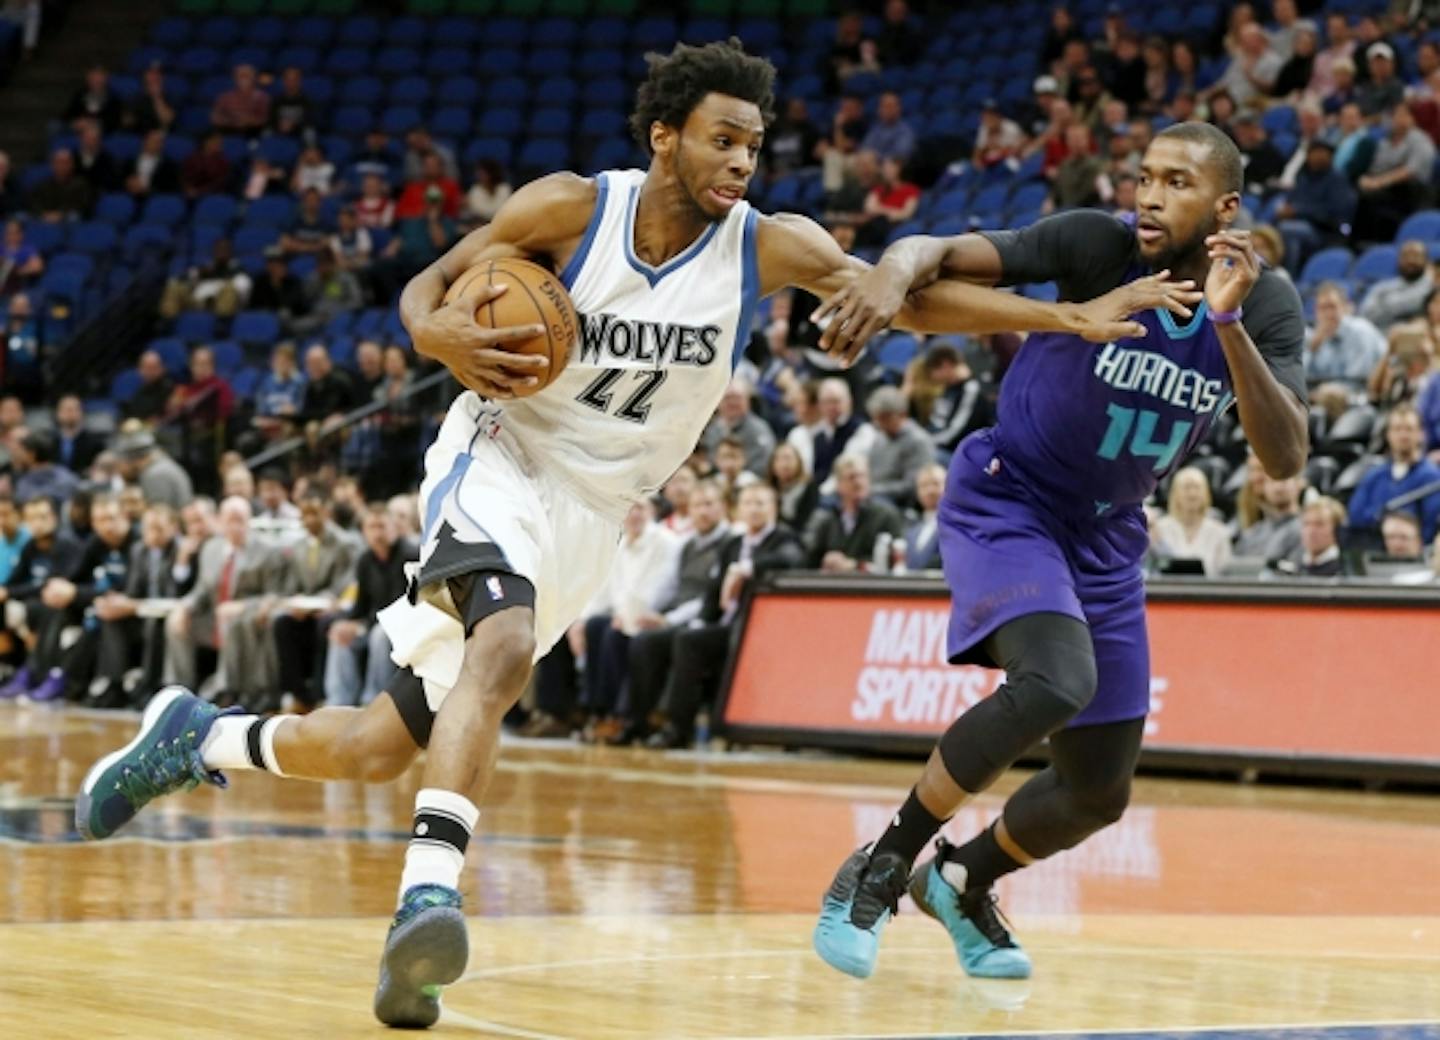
807	465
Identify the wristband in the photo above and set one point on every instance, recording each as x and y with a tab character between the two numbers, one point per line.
1226	317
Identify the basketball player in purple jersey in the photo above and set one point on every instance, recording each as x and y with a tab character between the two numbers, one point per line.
1042	533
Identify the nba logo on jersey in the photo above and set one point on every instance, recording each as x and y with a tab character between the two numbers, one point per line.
497	592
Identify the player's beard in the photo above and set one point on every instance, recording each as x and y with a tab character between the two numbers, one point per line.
683	178
1186	255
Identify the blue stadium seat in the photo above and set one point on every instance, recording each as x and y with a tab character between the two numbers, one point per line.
246	381
409	90
506	34
543	156
607	33
1375	263
304	58
990	199
127	89
459	90
122	147
229	357
258	328
360	31
1029	196
145	239
315	31
1326	265
950	224
167	210
557	92
267	31
172	351
141	58
448	61
784	194
602	123
759	35
508	92
218	31
236	149
342	351
545	60
399	119
352	121
348	61
271	211
606	93
655	33
170	33
496	148
1280	120
190	122
406	32
500	62
456	32
302	266
899	231
397	61
125	385
254	239
202	241
364	90
451	121
615	153
501	122
560	32
198	61
1424	225
281	151
247	55
195	327
116	208
895	351
76	264
551	122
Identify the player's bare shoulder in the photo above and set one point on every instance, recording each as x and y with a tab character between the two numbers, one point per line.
794	250
548	216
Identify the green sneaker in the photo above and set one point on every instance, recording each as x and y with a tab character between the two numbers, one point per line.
427	948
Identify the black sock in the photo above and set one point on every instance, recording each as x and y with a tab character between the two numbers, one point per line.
984	860
909	830
252	745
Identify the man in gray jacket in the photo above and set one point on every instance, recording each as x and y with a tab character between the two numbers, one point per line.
160	477
1402	297
901	449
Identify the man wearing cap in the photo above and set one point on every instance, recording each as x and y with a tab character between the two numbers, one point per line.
142	462
1034	115
1319	208
1384	91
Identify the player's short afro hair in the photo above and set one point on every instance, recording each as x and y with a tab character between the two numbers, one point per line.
1224	156
679	81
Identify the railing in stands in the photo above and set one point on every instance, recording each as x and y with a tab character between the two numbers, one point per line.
329	430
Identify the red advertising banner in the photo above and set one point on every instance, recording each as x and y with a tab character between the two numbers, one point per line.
1314	680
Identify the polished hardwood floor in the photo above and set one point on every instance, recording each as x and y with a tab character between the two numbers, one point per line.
628	894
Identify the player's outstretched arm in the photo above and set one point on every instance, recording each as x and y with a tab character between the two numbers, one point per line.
797	251
541	221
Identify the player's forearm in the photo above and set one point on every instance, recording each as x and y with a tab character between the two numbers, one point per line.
914	260
953	306
1274	421
421	297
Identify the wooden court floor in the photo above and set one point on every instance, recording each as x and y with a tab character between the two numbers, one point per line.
626	894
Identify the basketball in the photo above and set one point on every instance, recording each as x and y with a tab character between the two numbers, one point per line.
535	297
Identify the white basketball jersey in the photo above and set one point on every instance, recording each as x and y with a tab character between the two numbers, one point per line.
657	348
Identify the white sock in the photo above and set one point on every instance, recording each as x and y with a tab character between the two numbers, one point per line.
243	742
443	824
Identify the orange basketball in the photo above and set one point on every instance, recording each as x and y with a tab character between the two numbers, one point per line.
534	297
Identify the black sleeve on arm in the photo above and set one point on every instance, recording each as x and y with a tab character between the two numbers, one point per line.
1085	251
1275	319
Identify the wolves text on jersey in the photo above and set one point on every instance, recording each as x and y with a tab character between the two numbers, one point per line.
606	338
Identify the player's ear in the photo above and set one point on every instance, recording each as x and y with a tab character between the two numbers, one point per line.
662	138
1227	208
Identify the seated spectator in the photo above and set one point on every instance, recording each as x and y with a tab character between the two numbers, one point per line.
1406	470
842	537
48	553
1317	211
221	286
357	662
37	473
890	203
374	208
264	178
204	405
278	290
1341	347
399	454
1406	369
1088	97
244	108
960	407
415	199
313	172
1125	187
1252	71
369	370
151	110
642	580
899	39
1263	162
1124	70
487	193
64	195
1052	141
419	146
351	243
730	472
733	418
1318	555
94	101
1403	297
419	241
699	650
922	538
272	500
149	403
1275	535
22	352
281	394
91	161
206	171
1397	182
329	391
377	155
998	140
795	492
1340	46
309	233
13	536
846	50
793	140
839	432
131	649
1187	531
847	203
901	449
1312	129
1080	180
75	446
316	568
21	264
1293	82
292	113
1384	90
329	290
891	137
234	572
1401	533
152	170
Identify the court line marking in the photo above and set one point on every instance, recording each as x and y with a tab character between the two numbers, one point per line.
449	1016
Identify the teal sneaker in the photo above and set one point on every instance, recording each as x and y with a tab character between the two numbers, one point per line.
860	902
427	948
982	940
163	758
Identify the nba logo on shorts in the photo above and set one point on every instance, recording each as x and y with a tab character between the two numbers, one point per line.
496	591
994	466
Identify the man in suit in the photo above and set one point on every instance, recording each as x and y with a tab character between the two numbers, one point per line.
699	652
842	537
922	547
320	565
235	572
75	446
128	641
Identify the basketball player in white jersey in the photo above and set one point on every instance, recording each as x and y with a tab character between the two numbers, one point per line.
523	497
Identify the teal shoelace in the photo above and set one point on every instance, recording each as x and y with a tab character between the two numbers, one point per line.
423	897
162	769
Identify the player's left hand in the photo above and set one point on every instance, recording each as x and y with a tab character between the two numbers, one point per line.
857	312
1233	270
1104	318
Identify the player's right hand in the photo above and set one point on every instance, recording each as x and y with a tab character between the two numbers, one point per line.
1104	318
474	354
858	311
